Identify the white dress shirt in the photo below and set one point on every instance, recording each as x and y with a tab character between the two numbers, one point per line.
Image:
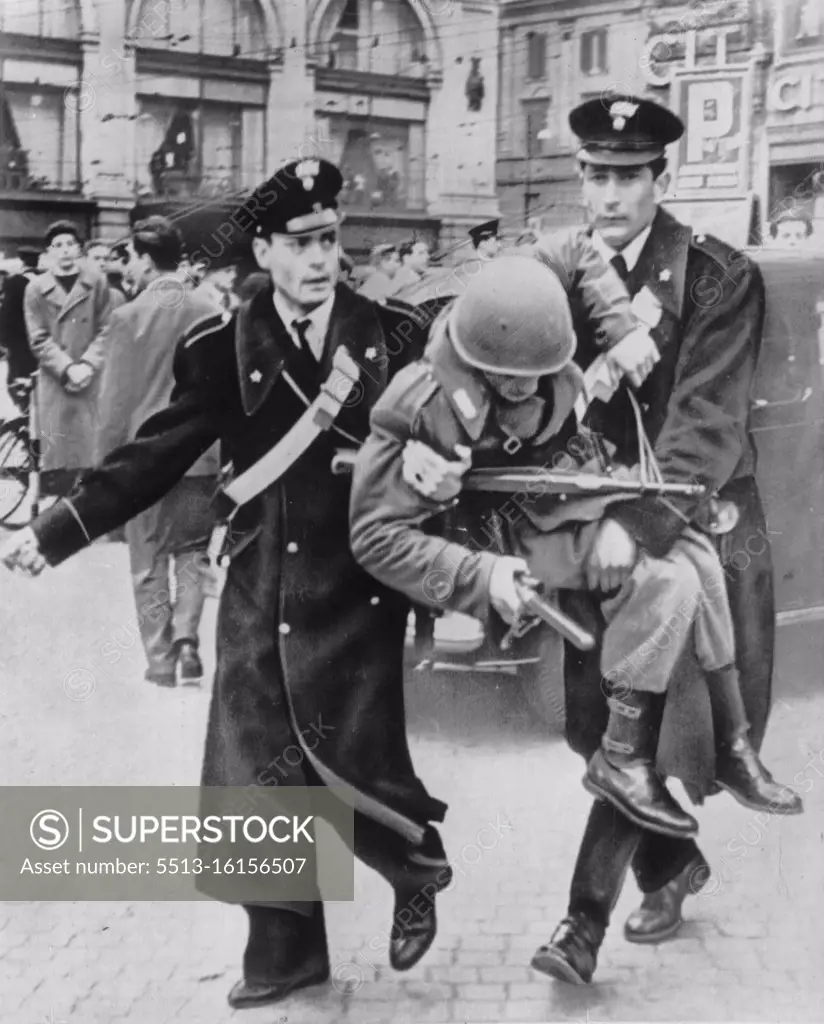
631	252
318	323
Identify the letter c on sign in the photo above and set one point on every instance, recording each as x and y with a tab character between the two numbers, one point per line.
778	100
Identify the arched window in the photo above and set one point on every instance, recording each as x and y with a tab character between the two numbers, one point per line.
222	28
57	19
379	36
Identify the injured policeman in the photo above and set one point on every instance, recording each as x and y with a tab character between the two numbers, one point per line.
498	379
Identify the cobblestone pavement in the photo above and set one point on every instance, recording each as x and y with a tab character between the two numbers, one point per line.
751	949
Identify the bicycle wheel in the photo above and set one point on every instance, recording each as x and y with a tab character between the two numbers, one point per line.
16	463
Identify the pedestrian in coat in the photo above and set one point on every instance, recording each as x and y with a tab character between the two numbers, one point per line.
380	283
414	255
169	541
66	310
14	336
305	637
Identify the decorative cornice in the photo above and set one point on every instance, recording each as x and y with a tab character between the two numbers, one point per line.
554	10
200	65
40	48
34	198
369	84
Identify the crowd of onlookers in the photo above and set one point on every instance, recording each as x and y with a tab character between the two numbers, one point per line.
95	327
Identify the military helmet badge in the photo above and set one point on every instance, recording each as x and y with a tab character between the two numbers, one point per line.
307	171
620	111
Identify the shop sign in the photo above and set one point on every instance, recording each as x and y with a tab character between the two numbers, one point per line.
705	35
796	96
712	154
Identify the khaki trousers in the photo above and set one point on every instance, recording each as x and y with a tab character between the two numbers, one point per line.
650	619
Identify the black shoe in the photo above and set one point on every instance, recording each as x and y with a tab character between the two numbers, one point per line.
414	923
659	916
161	679
739	771
189	665
572	953
249	994
413	933
737	765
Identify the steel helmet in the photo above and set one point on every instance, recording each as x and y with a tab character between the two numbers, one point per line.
513	318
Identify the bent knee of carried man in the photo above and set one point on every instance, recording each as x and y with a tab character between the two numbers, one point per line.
673	584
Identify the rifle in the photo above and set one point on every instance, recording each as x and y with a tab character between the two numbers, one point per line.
537	480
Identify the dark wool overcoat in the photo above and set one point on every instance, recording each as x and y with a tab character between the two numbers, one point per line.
309	683
696	411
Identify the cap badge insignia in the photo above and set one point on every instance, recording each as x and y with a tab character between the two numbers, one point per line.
620	111
255	376
307	171
665	275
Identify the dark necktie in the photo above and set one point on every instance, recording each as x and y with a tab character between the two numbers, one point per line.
300	328
621	267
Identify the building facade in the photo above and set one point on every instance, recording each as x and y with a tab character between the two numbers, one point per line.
793	146
180	105
553	54
745	75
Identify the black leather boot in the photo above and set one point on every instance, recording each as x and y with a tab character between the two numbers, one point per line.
606	850
738	768
659	916
623	772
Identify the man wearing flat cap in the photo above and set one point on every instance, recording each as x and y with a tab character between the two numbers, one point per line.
704	304
67	309
309	647
486	239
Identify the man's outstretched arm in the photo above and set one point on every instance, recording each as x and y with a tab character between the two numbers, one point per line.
130	480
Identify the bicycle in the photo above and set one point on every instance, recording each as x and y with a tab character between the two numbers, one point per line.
19	458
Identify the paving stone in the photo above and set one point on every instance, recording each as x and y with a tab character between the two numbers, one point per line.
749	952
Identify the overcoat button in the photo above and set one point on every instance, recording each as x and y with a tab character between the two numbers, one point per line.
374	600
291	547
285	628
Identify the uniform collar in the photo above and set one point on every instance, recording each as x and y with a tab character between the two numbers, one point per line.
470	396
662	265
630	252
318	318
263	343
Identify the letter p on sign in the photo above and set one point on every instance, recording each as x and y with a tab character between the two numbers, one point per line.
710	112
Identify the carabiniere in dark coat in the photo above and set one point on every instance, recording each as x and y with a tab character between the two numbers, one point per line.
307	641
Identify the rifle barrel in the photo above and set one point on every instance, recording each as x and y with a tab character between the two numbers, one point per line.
563	624
542	481
577	484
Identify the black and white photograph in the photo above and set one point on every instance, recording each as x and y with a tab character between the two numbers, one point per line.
411	511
